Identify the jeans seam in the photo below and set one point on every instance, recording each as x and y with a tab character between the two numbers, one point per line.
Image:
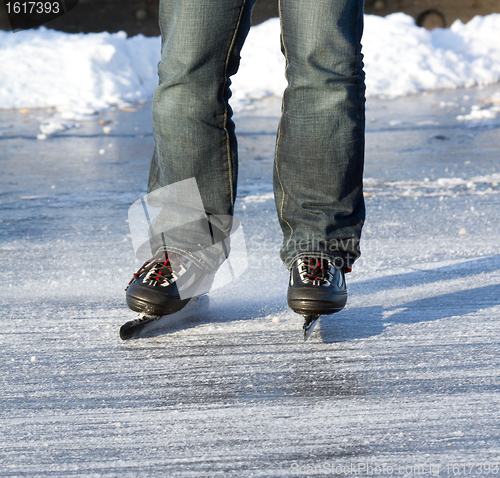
278	139
228	139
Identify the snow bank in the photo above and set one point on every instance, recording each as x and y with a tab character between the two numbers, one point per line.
76	72
402	58
88	72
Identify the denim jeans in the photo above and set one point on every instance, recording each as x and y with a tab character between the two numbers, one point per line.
320	141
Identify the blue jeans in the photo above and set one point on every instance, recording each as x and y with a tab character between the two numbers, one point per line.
320	141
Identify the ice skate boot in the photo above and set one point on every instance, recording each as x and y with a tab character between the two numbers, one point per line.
316	288
163	285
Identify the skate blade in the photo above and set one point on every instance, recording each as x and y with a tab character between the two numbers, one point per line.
310	322
166	323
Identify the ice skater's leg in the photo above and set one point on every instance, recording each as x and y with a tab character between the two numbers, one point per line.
320	144
193	131
194	140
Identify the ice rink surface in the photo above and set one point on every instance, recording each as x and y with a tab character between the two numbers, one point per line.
403	382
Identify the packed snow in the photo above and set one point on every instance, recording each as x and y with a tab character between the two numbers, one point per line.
488	110
442	187
83	73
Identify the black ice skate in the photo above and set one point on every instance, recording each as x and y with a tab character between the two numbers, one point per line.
316	288
162	286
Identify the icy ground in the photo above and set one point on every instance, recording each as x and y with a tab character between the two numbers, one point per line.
406	376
